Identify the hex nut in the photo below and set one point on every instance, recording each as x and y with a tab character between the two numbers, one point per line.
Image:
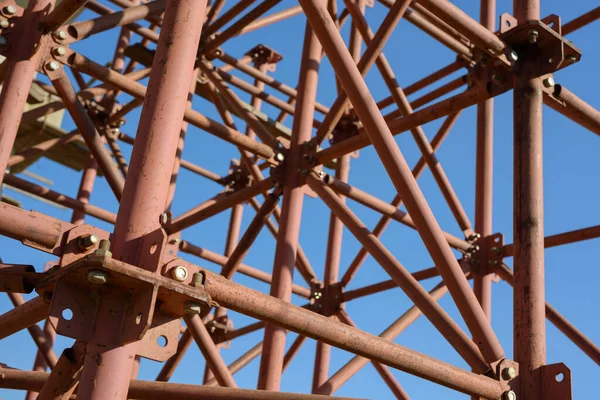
192	308
179	273
97	277
279	157
4	23
509	395
88	241
509	373
10	10
59	51
62	35
52	66
549	82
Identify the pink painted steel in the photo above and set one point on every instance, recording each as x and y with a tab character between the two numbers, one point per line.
271	364
86	186
528	224
146	186
23	316
21	66
404	182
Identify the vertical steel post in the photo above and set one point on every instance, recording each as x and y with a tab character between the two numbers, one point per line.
336	229
482	283
529	297
21	66
271	363
106	372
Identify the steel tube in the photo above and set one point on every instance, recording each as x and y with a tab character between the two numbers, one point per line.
43	147
271	19
482	283
20	69
229	15
528	218
385	220
59	198
149	390
209	350
62	13
193	117
250	302
89	133
574	108
169	367
563	325
561	238
62	382
239	363
353	366
581	21
23	316
293	350
235	28
404	182
424	82
438	317
218	204
244	330
271	365
219	259
146	186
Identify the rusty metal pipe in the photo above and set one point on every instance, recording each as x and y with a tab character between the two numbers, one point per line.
561	238
23	316
239	363
568	104
581	21
262	306
209	350
229	15
64	11
271	19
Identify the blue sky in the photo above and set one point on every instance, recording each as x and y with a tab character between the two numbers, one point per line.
570	162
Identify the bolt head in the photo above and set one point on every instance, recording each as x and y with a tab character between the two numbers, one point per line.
53	66
163	218
179	273
10	10
533	35
62	35
97	277
4	23
509	395
87	241
279	157
509	373
59	51
549	82
513	56
192	308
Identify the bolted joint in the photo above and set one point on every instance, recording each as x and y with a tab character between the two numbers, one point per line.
474	237
279	156
87	242
97	277
533	35
192	308
59	51
179	273
60	35
549	82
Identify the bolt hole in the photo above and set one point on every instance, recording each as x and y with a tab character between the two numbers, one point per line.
559	377
507	23
73	31
162	341
138	318
551	24
67	314
153	248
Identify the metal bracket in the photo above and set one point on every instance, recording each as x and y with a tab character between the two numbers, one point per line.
486	253
262	54
556	382
317	299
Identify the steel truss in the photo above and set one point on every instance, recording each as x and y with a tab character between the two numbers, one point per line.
141	287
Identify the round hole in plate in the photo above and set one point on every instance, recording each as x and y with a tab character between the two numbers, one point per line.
507	23
559	377
67	314
153	248
162	341
138	318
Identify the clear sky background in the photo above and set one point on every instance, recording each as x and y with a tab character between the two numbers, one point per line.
570	186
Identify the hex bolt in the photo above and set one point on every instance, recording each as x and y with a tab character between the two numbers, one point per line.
61	35
192	308
59	51
163	218
549	82
279	157
509	373
198	279
86	242
52	66
10	10
509	395
179	273
512	56
533	36
103	249
4	23
97	277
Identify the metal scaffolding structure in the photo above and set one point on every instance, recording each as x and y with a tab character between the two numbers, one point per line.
120	293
